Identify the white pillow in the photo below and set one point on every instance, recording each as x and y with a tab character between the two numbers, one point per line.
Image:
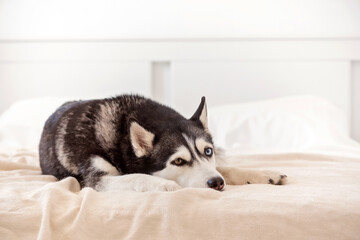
278	125
22	123
293	124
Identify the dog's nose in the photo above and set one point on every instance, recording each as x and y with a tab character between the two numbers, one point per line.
216	183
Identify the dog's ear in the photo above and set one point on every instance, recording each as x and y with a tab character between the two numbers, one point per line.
141	139
201	114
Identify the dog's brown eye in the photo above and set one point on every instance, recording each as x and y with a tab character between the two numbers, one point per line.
208	152
178	162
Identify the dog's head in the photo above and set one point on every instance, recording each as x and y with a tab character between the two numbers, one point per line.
183	151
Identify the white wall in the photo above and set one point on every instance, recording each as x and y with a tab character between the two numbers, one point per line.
109	19
49	43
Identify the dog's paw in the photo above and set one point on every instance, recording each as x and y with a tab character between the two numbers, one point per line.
168	186
162	185
237	176
275	178
136	182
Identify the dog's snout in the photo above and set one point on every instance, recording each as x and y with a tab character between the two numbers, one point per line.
216	183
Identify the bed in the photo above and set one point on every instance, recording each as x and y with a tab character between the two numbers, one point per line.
304	137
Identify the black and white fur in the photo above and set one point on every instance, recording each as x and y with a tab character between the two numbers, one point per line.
133	143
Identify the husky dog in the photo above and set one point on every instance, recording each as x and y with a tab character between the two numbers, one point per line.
133	143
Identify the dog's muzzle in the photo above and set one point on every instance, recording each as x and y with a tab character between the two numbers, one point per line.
216	183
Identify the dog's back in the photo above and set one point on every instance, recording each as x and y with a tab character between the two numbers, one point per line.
52	140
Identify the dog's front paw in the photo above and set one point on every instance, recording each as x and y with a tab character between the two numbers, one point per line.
136	182
162	185
275	178
168	186
237	176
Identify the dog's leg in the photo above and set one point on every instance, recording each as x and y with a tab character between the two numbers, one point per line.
236	176
103	176
135	182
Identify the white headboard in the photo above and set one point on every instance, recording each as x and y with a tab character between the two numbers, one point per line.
178	72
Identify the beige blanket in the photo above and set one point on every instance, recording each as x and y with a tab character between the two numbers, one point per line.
320	201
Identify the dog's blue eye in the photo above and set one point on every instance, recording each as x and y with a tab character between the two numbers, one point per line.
208	152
